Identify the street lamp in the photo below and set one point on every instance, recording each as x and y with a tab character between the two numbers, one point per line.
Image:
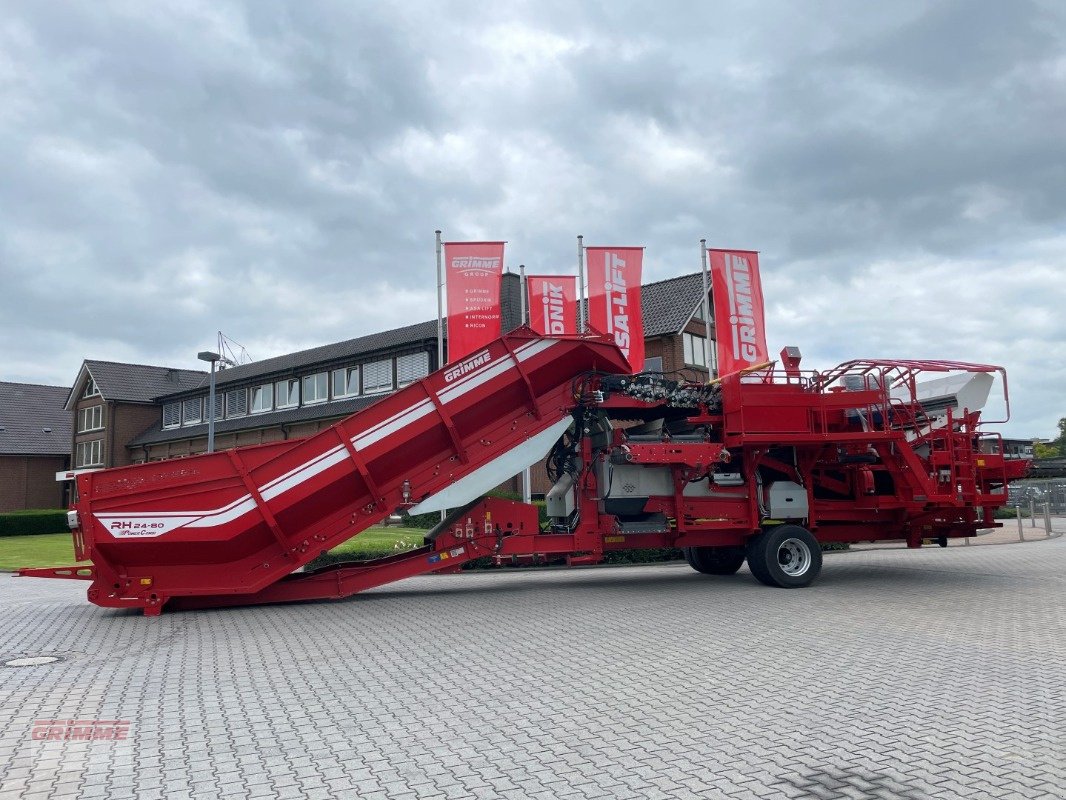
207	355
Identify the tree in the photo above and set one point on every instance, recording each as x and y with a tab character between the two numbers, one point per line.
1056	448
1041	450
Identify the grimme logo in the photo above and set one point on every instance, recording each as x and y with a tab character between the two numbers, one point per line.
472	363
614	268
741	313
553	307
80	730
475	264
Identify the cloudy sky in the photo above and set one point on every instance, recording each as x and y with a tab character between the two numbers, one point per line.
276	170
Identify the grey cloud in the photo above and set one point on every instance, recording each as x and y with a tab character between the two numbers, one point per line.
277	170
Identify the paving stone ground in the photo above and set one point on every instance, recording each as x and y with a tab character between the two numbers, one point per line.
900	674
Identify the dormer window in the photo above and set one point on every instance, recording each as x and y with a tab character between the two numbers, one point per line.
411	367
90	388
315	388
172	415
287	393
345	382
237	403
377	376
192	411
262	397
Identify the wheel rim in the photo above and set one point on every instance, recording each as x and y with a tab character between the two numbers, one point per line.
794	557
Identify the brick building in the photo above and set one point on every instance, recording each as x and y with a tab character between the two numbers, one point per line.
34	445
112	403
298	394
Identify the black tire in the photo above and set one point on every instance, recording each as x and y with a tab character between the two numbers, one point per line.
715	560
787	556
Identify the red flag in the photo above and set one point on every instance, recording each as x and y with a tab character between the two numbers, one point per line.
473	272
614	298
738	310
552	303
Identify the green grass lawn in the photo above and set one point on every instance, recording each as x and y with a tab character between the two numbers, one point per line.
57	549
379	540
43	550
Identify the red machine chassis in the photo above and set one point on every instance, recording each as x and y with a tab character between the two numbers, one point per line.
236	527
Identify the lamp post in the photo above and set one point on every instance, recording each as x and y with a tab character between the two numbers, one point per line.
207	355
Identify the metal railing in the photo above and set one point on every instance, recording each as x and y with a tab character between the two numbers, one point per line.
1033	494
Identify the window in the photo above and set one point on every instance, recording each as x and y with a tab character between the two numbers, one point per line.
237	403
219	406
377	376
653	364
698	313
90	419
90	388
171	415
262	398
346	382
192	410
411	367
287	393
89	454
315	388
694	350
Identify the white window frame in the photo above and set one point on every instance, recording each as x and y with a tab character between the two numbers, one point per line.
384	387
313	380
240	412
89	454
91	418
91	389
693	350
176	405
415	363
290	387
346	373
264	390
185	418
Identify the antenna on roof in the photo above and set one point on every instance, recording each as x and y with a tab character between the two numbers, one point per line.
232	353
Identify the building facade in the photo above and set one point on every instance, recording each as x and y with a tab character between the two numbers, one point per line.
35	431
112	403
1012	448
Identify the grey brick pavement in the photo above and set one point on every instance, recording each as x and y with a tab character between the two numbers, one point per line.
936	673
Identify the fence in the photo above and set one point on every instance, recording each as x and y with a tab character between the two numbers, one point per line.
1049	490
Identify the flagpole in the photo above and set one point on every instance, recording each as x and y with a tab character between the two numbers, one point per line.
440	322
581	284
440	306
706	311
523	293
523	296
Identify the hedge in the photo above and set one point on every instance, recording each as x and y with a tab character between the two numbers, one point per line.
1010	512
35	521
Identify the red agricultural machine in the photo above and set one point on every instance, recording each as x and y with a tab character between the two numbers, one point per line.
761	467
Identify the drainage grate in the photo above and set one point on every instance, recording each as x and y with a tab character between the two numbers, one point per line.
31	661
